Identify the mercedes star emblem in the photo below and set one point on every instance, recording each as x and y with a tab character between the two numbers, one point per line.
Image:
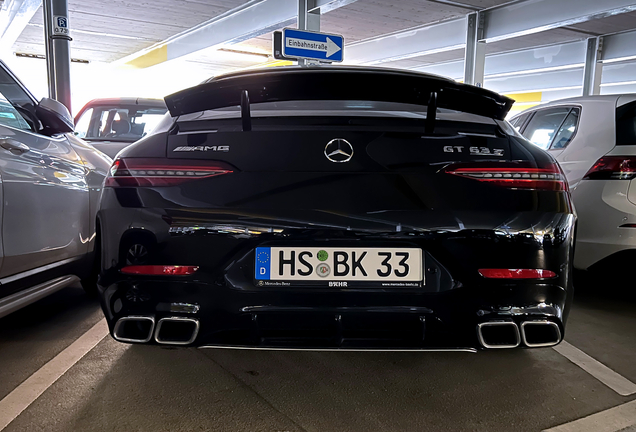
339	150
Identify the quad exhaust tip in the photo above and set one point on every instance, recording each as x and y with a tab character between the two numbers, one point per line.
499	334
540	333
507	334
176	330
136	329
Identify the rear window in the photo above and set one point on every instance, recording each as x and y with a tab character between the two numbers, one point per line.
626	124
305	108
313	109
325	113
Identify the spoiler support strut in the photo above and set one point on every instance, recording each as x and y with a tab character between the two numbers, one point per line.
246	119
431	112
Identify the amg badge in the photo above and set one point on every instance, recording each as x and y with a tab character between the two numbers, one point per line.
202	148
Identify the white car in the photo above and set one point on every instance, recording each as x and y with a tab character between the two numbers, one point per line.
594	140
50	184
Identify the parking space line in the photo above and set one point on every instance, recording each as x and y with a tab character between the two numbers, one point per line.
598	370
27	392
612	420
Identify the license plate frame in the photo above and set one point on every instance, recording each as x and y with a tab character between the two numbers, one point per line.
339	267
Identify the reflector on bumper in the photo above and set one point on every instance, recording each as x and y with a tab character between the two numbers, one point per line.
160	270
517	273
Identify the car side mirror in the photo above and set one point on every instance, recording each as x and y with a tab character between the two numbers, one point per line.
54	117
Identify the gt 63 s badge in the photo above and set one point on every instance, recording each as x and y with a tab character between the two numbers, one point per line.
486	151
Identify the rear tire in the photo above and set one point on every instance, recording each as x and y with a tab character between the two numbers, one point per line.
90	285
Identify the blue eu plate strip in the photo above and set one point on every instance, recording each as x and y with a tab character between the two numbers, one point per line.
263	263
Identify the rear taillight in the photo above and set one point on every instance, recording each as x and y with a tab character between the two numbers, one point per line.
159	270
517	273
613	168
162	172
514	175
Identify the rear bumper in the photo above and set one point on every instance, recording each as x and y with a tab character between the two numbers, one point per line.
224	305
226	317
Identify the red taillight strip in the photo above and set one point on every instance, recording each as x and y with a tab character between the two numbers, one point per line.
157	172
511	176
517	273
160	270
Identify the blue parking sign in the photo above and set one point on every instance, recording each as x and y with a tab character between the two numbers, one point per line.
311	45
60	25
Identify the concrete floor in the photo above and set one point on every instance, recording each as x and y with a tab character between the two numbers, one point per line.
119	387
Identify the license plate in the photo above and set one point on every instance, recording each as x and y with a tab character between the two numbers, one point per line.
339	267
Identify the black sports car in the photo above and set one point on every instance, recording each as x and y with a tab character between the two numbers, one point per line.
336	208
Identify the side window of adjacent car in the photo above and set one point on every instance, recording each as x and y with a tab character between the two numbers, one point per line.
519	121
566	131
544	125
17	105
515	122
83	124
9	116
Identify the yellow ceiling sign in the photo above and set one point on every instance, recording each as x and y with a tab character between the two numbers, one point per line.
526	97
278	63
523	101
151	58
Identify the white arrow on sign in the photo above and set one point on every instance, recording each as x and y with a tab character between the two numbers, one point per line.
330	47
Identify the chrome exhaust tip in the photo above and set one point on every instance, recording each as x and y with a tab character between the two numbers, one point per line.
540	333
498	334
136	329
176	330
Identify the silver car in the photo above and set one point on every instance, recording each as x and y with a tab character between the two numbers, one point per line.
50	185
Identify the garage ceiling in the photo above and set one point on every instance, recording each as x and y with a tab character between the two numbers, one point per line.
105	31
108	31
115	31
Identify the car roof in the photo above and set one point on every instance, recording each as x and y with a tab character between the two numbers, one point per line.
615	99
584	99
123	101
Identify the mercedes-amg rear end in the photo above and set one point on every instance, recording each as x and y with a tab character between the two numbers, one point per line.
336	208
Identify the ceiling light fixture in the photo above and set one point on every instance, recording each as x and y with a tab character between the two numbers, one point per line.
43	57
250	53
97	33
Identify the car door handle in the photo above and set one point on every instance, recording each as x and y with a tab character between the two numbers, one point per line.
14	146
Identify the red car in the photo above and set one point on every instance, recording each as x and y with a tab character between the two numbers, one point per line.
113	124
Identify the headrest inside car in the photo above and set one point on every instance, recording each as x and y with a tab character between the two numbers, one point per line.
120	127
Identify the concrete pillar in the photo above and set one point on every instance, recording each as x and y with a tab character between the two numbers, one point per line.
475	57
58	50
593	69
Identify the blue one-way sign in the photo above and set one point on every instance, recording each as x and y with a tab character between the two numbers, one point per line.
312	45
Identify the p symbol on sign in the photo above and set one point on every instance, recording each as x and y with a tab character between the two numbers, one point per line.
61	22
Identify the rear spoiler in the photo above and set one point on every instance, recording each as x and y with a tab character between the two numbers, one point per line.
338	83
